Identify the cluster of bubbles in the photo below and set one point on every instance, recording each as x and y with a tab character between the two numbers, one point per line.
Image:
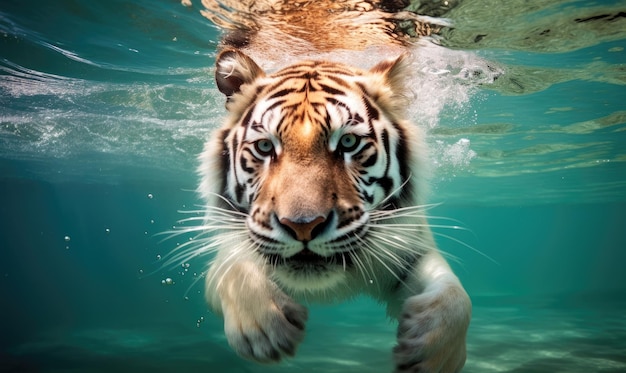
450	159
458	154
185	267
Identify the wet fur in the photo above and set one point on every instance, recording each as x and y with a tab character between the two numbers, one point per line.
255	287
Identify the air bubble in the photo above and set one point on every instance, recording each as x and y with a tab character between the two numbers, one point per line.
158	257
107	231
167	281
150	195
67	238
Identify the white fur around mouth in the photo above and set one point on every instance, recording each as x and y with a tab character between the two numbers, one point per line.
306	257
307	272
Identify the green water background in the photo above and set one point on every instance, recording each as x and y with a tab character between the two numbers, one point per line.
104	106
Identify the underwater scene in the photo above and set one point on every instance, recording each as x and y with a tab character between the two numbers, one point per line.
105	107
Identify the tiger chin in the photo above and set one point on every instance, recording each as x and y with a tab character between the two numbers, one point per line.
314	192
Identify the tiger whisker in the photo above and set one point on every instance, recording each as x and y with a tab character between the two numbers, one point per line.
210	226
213	210
234	256
358	262
228	202
372	252
384	241
199	245
467	246
390	232
401	210
417	212
369	270
218	226
381	243
408	244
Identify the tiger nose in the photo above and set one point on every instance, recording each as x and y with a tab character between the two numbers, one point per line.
303	230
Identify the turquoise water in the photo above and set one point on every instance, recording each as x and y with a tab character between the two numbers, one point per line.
104	106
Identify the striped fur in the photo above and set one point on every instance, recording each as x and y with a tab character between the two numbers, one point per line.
314	190
305	112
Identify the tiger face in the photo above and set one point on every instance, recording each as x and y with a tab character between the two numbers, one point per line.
309	153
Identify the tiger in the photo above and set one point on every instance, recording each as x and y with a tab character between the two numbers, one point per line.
314	190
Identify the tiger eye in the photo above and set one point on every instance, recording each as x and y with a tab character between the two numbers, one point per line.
349	142
264	147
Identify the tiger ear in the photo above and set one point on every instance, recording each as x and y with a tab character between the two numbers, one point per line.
235	69
393	72
387	83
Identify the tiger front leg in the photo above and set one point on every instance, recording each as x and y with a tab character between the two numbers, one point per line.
261	322
433	324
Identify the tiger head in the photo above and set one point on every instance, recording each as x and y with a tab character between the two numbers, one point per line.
310	154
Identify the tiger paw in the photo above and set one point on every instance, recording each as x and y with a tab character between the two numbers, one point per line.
431	332
268	332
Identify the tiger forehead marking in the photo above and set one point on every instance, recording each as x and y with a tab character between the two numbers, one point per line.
304	94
